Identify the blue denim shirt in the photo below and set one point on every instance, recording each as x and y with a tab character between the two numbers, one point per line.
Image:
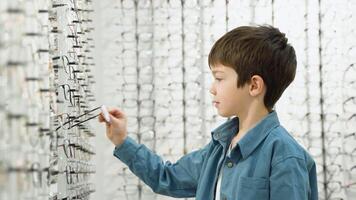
267	163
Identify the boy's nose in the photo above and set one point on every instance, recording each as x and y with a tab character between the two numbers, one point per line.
212	90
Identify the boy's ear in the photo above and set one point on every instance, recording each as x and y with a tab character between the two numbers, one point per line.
256	86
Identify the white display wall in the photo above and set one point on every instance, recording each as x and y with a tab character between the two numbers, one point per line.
61	59
46	101
153	56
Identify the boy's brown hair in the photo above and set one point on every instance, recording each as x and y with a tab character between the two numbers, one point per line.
257	50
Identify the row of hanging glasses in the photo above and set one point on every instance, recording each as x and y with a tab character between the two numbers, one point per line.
156	71
46	53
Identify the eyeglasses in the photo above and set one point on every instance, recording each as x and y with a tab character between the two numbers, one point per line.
69	94
30	113
74	121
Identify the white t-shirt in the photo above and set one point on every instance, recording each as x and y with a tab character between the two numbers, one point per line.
218	185
217	193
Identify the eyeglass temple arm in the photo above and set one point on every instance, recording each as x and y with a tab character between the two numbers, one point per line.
80	122
83	121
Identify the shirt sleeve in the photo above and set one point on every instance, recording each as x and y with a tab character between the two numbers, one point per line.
290	180
178	179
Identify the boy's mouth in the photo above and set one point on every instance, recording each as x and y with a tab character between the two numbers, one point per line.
216	103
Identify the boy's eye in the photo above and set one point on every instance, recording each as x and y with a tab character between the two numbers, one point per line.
218	79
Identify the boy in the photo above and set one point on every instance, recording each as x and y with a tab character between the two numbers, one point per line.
251	156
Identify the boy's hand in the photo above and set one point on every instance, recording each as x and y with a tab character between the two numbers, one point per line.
116	129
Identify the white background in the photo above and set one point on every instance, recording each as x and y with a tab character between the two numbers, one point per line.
142	44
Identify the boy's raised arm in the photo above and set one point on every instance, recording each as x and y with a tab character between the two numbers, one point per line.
178	179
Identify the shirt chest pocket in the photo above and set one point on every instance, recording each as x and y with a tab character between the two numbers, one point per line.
252	188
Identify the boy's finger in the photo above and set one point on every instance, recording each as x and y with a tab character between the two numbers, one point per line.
101	117
116	113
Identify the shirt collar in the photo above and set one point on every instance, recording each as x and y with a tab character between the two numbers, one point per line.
225	132
257	134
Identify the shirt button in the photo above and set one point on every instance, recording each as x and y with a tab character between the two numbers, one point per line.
229	164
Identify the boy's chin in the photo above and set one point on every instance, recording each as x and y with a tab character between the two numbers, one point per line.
223	114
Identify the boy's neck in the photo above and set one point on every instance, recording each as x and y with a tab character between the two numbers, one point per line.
248	120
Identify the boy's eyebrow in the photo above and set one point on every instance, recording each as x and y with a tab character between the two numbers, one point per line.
217	71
